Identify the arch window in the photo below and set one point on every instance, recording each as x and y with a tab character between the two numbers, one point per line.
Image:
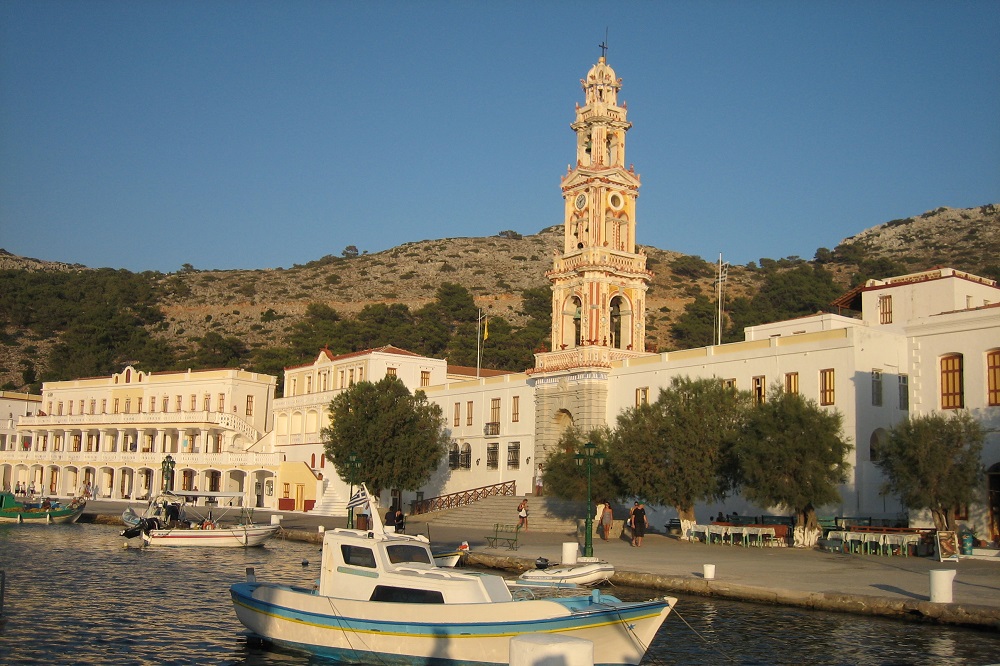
466	458
453	456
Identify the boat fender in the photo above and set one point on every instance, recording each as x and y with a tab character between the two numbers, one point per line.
207	526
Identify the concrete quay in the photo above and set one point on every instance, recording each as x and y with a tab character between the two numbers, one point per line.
895	587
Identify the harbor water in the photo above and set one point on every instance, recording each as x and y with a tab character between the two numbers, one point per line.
75	595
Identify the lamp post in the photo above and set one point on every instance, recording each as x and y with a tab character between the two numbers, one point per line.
589	456
168	472
352	469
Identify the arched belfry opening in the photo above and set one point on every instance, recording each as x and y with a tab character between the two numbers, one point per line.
620	323
571	326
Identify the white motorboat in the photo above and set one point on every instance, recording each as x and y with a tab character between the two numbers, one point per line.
380	598
187	519
588	571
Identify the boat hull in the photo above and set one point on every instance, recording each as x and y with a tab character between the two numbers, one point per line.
448	560
479	633
42	516
239	536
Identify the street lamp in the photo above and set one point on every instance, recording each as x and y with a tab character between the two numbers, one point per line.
590	454
353	463
168	472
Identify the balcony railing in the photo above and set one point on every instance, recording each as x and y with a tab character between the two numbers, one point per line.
223	460
491	429
463	498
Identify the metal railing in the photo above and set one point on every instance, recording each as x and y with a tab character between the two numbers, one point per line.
463	498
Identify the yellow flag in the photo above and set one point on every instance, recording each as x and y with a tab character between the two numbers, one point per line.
486	328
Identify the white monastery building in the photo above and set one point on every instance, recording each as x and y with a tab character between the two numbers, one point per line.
908	345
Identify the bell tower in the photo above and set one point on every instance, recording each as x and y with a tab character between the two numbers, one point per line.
599	283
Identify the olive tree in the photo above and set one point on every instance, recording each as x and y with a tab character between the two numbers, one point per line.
566	479
932	462
399	438
792	455
677	450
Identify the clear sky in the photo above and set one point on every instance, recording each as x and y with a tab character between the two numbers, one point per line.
248	134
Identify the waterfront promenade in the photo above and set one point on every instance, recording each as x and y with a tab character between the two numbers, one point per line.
867	584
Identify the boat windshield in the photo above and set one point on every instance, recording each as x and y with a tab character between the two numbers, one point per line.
403	553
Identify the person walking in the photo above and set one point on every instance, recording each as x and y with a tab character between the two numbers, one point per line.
538	481
522	514
639	524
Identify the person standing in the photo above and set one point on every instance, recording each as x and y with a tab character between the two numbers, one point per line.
639	524
607	520
538	481
522	514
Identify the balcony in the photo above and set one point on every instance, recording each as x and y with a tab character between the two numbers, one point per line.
491	429
223	460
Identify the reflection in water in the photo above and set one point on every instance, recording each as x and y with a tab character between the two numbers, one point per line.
76	596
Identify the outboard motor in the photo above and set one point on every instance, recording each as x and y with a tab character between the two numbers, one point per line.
132	532
542	563
145	525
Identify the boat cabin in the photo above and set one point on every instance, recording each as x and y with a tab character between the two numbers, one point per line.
369	566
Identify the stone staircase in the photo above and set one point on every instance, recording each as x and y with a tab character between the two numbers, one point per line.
544	514
331	503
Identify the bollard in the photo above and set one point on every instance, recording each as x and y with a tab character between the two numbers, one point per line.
708	571
550	650
569	552
941	580
321	529
276	520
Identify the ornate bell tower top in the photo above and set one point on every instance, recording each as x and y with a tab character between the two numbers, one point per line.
601	84
600	192
599	281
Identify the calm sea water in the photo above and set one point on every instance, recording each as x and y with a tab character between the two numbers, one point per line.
74	595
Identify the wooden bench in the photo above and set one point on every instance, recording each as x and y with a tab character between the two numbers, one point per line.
503	534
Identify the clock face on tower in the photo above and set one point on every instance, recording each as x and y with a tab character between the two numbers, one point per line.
581	201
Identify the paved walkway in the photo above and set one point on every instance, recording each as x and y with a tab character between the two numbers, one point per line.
806	577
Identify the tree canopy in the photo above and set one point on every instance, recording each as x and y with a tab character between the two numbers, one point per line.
932	462
566	479
676	450
399	438
792	454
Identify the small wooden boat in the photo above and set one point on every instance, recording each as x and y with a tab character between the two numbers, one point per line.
175	519
380	599
589	571
449	559
43	510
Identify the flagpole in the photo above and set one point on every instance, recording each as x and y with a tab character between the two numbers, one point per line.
479	341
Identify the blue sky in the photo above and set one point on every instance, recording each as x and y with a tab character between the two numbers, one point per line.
225	134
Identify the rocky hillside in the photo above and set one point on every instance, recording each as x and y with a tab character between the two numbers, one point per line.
258	306
966	238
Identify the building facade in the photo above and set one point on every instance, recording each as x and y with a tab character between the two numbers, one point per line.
109	436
